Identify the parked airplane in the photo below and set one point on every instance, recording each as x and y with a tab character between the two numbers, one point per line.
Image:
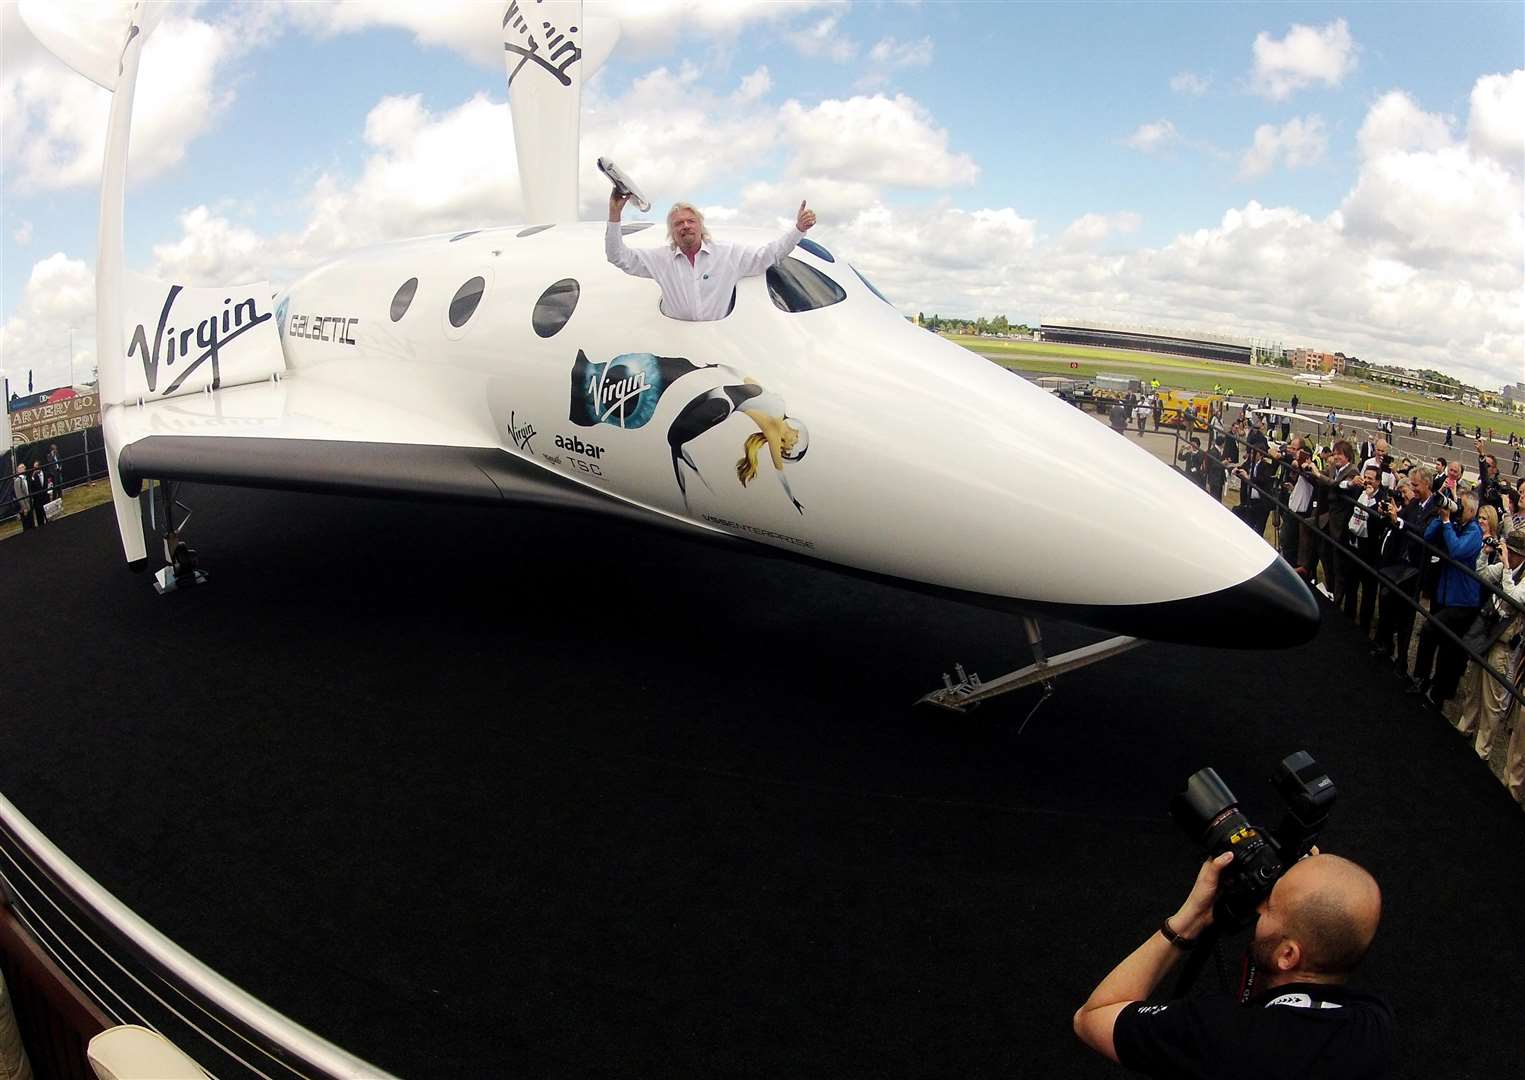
513	364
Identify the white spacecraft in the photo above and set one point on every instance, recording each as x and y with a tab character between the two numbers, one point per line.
514	365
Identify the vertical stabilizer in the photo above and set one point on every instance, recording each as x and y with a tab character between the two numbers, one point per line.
103	40
542	46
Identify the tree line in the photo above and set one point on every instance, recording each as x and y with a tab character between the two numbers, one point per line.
961	325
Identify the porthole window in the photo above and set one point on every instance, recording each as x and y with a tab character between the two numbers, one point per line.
816	249
555	307
464	235
793	286
404	298
870	285
532	230
634	226
465	301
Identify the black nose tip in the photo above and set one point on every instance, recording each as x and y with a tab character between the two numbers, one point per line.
1274	609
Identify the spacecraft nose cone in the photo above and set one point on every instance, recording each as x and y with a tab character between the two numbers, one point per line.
1275	607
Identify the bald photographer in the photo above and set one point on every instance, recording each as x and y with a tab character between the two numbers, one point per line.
1311	933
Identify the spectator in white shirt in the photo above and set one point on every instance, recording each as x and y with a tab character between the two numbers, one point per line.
697	275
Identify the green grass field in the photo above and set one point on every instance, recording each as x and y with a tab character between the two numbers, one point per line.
1256	382
80	497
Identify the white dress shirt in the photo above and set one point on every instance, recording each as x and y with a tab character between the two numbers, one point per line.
700	292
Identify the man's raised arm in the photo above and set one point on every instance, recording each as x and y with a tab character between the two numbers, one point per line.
614	240
757	260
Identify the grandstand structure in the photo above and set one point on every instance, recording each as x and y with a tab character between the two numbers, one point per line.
1195	344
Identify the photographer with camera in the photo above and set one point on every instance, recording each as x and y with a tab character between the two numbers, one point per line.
1363	536
1454	600
1400	561
1496	633
1312	932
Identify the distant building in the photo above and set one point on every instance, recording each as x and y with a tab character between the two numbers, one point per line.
1197	344
1322	362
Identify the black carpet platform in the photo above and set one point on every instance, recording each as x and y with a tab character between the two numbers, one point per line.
475	792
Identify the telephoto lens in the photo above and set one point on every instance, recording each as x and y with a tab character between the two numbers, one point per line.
1209	813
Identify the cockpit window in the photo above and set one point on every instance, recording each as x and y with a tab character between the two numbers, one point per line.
464	235
532	230
404	298
870	285
797	287
816	249
465	302
634	226
555	307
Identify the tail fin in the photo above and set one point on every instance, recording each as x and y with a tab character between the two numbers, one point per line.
183	340
88	35
549	50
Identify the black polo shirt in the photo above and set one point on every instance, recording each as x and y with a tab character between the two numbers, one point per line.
1303	1030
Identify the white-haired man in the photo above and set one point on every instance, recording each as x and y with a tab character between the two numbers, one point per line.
697	274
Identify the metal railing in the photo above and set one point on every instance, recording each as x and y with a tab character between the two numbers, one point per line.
134	974
1372	575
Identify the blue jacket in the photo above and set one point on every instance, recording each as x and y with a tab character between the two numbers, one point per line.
1457	588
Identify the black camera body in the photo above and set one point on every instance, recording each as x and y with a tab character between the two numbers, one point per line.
1209	813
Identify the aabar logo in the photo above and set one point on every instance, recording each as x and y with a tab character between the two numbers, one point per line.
577	446
172	345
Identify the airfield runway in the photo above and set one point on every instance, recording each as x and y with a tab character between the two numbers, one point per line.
474	792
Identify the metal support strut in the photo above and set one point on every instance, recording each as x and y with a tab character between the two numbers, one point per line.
970	690
181	557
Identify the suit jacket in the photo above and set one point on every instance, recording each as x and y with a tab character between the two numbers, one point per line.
1335	502
1405	543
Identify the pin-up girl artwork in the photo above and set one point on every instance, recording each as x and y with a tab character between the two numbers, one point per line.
785	437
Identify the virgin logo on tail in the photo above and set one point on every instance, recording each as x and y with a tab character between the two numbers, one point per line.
172	345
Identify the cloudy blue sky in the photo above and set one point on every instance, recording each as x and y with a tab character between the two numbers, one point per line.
1346	176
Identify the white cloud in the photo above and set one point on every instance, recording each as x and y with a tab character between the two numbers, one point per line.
874	139
649	131
1089	230
754	86
1496	127
1307	55
1153	138
1298	143
22	234
824	38
1395	123
210	251
891	53
833	200
54	121
59	296
1190	83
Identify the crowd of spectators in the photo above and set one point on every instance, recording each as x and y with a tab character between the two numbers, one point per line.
1385	539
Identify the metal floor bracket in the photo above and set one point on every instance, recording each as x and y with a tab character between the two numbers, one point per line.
971	690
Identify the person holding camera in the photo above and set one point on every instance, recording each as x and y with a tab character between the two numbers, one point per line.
1486	703
1363	536
1312	932
1400	562
1453	602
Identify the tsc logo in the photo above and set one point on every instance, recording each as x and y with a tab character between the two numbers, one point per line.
577	446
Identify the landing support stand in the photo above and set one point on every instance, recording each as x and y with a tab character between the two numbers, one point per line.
970	690
181	571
